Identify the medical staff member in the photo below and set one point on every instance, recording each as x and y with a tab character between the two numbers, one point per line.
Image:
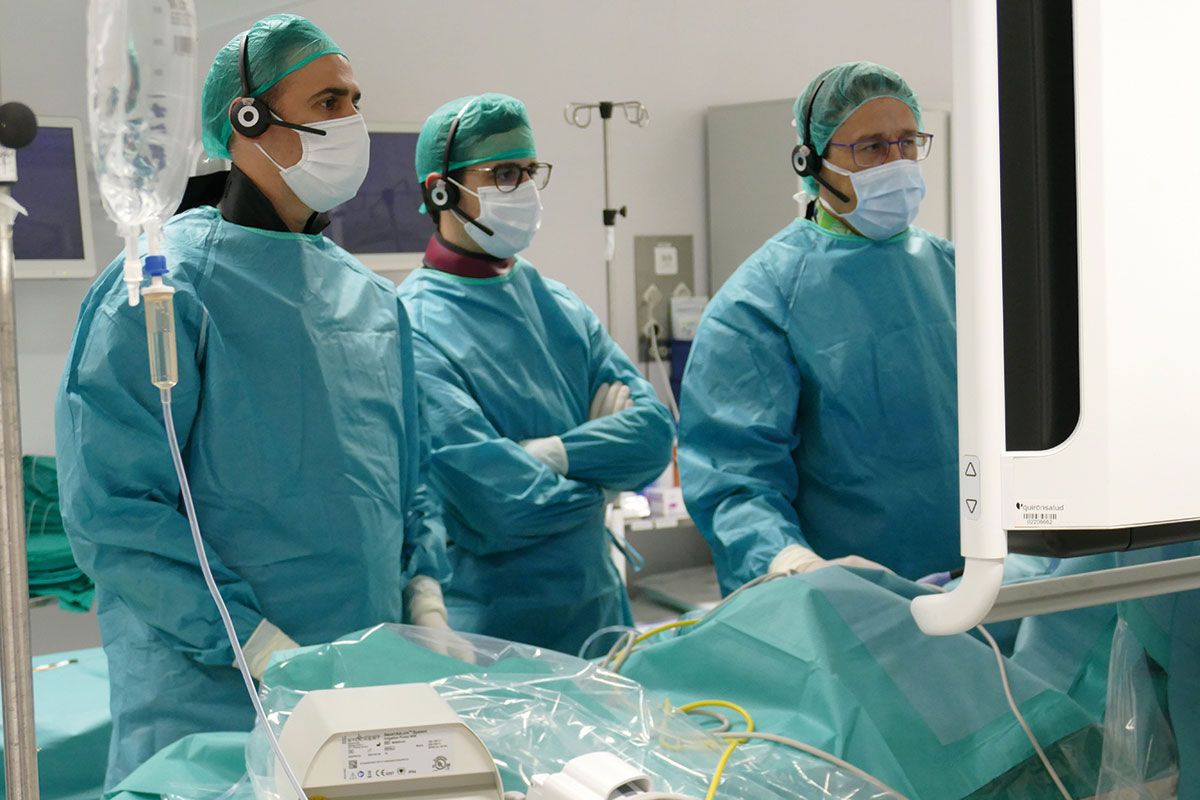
819	410
296	410
535	413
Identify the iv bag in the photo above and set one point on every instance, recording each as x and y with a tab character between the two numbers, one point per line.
142	106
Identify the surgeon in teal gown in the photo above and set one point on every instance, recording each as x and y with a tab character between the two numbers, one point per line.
296	411
819	412
536	415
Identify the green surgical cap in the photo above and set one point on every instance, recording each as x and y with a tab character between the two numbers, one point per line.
844	89
279	45
493	127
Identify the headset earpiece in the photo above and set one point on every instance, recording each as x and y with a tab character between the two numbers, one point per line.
805	162
805	159
250	117
442	196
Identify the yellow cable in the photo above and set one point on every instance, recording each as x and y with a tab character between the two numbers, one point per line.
720	771
628	651
619	653
683	623
720	704
733	745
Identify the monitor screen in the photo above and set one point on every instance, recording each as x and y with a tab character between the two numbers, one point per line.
381	225
48	187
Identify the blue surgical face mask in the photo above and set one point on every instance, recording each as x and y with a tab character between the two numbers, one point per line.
513	217
889	197
332	167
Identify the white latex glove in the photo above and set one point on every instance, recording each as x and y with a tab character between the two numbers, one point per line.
609	399
427	609
265	641
799	559
550	451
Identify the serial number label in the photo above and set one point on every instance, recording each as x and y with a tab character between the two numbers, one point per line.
396	753
1040	515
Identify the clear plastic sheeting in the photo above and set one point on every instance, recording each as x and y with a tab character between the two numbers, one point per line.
536	710
141	105
1134	746
1140	758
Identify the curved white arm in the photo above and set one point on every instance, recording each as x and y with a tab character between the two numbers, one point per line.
961	609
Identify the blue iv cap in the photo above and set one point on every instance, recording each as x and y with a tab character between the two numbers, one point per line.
156	266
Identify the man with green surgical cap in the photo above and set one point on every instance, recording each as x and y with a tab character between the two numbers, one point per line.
819	406
296	408
536	415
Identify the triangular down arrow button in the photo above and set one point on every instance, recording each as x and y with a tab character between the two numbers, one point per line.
972	505
971	473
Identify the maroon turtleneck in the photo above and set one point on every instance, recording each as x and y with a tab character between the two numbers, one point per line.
447	257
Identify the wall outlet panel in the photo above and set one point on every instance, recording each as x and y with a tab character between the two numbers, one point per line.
663	262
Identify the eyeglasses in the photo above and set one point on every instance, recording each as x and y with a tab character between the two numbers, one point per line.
873	152
508	177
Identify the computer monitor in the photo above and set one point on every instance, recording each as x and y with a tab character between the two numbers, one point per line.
55	240
381	226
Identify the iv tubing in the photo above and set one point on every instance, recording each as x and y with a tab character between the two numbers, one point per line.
662	369
194	523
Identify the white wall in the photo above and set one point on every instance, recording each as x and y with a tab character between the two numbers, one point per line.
676	56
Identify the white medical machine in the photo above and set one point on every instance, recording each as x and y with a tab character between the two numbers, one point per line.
1078	289
404	742
397	742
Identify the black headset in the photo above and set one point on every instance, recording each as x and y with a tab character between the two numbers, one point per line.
249	115
445	194
806	161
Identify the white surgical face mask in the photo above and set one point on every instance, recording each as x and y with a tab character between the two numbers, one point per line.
889	197
331	167
513	217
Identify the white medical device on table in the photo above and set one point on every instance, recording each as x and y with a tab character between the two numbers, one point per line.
352	743
1078	323
404	742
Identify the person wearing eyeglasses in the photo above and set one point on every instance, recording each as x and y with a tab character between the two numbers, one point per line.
536	415
819	406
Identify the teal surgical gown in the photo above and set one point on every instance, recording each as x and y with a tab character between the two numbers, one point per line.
297	414
819	405
511	358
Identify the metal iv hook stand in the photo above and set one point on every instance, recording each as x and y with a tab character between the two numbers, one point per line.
18	127
580	115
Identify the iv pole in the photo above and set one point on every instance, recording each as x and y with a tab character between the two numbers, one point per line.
636	114
18	127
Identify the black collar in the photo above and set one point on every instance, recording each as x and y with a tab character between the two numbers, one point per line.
244	204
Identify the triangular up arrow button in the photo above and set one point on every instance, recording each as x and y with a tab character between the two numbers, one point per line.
971	473
972	505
